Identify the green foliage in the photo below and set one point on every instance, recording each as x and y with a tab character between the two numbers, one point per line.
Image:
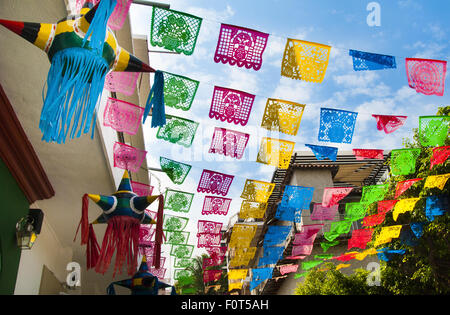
425	267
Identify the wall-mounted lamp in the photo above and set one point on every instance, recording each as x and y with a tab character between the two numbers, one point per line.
28	227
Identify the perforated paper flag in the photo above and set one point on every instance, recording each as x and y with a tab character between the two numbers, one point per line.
355	210
212	227
215	205
121	81
208	239
307	235
285	269
182	250
240	46
440	155
436	206
173	30
385	206
285	213
324	213
231	105
403	186
387	233
403	206
426	76
436	181
122	116
259	275
403	161
141	189
360	238
212	275
275	152
361	154
336	125
228	142
128	157
282	116
304	60
236	274
258	191
306	265
241	256
242	235
297	197
373	193
252	209
337	228
119	15
177	237
178	201
214	183
374	219
276	234
302	250
174	223
370	61
332	195
183	262
178	130
389	123
145	235
176	171
179	91
433	130
323	152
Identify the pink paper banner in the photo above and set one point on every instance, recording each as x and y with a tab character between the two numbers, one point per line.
231	105
302	250
122	116
128	157
216	205
159	273
229	142
121	81
240	46
145	235
119	14
332	195
211	275
141	189
426	76
214	183
285	269
209	227
307	234
389	123
207	239
362	154
324	213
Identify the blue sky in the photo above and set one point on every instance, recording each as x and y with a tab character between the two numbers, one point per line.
408	28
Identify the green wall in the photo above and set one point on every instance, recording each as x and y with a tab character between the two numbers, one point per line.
13	206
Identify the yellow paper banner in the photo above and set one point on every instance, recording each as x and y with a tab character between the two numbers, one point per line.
255	190
235	285
282	116
275	152
436	181
304	60
252	209
387	233
242	235
403	206
236	274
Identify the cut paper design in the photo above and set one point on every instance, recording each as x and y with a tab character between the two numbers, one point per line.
210	227
183	263
385	206
231	105
323	152
282	116
258	191
302	250
159	273
241	256
404	186
346	257
332	195
174	223
300	275
364	254
360	238
387	233
179	91
211	275
214	183
436	206
242	235
374	220
304	60
337	228
127	157
324	213
307	235
237	274
175	31
389	123
177	237
285	269
259	275
403	161
176	171
436	181
215	205
240	46
181	250
403	206
373	193
285	213
178	201
327	244
216	252
275	152
370	61
341	266
178	130
121	82
235	286
298	197
433	130
361	154
119	14
426	76
271	254
440	155
336	125
208	239
355	210
307	265
182	273
385	254
229	142
252	209
276	234
141	189
145	235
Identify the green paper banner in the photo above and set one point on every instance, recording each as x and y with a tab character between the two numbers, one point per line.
181	250
183	263
433	130
174	223
306	265
179	91
355	210
176	171
178	201
177	237
373	193
178	130
338	228
403	161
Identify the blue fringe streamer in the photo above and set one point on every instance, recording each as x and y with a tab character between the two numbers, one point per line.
97	27
74	85
155	100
